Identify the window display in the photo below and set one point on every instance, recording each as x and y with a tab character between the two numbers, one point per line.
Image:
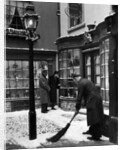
17	79
69	63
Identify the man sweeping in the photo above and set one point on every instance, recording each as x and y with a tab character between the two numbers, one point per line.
88	95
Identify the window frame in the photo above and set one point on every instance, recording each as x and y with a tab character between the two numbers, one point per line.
79	25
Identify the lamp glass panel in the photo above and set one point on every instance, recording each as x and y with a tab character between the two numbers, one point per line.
30	23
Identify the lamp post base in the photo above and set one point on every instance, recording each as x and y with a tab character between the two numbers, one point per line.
32	125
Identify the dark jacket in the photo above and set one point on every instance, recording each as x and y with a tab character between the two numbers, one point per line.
88	93
54	85
44	90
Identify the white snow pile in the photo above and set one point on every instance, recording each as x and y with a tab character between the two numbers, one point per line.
17	127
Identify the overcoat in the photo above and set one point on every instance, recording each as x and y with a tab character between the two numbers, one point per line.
54	85
88	93
44	90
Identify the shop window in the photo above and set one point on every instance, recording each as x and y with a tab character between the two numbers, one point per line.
75	13
17	79
69	63
14	13
104	57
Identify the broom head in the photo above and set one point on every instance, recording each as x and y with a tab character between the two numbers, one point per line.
56	137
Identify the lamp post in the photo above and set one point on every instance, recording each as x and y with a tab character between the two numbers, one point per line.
30	19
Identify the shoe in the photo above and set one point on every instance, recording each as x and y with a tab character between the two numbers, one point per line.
87	132
93	138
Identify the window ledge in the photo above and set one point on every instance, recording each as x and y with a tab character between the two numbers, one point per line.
74	28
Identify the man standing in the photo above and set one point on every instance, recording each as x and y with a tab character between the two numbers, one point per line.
44	90
54	85
88	93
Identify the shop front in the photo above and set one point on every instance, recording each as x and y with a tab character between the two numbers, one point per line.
94	55
17	76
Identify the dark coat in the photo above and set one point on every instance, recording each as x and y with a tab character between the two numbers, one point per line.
88	93
54	85
44	90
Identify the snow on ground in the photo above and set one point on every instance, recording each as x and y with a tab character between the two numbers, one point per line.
17	131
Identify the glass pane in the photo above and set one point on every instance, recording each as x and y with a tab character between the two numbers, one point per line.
17	65
65	55
20	4
76	61
65	83
63	93
12	10
13	93
7	10
98	80
61	82
88	71
88	60
102	58
107	95
12	74
69	54
7	74
7	2
19	73
61	64
25	65
64	73
13	3
61	73
19	83
21	12
60	56
36	83
97	59
106	70
107	83
102	46
7	22
11	65
65	64
107	44
25	73
77	70
103	94
26	93
102	70
26	83
12	83
8	94
97	69
7	83
36	65
7	65
106	57
20	93
102	83
71	71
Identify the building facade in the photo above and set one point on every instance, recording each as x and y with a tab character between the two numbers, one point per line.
80	42
89	45
74	38
17	50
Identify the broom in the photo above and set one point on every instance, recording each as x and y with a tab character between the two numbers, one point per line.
56	137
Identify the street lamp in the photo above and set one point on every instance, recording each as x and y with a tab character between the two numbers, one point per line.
30	20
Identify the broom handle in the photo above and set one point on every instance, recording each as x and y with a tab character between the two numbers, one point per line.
73	117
